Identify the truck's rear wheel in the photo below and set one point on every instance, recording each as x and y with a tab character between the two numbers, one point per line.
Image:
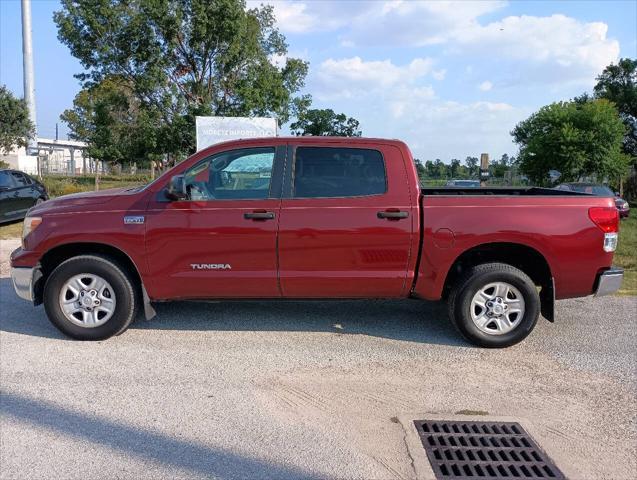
90	297
494	305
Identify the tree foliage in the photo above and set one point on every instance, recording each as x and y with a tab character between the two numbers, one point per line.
114	123
618	83
325	122
177	59
578	139
15	126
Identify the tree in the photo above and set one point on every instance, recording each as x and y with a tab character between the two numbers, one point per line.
15	126
472	165
498	168
576	139
420	169
618	83
454	168
183	58
114	123
319	122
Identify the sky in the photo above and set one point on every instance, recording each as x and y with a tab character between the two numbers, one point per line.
451	79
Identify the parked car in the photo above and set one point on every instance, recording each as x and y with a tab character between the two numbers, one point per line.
600	190
337	218
18	193
464	183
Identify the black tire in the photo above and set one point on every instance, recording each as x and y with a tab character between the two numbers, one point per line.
479	277
126	300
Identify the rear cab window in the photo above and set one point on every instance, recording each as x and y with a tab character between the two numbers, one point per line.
333	172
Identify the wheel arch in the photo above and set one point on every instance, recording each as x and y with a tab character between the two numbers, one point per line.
52	258
521	256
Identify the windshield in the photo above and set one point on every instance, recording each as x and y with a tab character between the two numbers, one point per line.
464	183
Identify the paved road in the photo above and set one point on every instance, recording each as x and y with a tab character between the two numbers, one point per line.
304	390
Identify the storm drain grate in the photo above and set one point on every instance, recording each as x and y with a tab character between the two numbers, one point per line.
483	450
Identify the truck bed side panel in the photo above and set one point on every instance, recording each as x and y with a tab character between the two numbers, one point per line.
558	227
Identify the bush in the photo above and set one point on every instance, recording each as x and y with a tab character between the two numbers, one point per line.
61	185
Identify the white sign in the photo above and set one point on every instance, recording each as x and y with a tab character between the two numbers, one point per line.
211	130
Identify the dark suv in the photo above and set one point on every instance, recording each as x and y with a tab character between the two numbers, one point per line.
18	193
601	191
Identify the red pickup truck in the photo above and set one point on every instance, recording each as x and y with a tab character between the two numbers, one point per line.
315	217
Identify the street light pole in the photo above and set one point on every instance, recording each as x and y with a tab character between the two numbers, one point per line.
27	67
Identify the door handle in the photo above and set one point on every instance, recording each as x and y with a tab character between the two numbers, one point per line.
393	214
259	215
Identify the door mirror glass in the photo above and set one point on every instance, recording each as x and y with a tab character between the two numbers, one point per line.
176	189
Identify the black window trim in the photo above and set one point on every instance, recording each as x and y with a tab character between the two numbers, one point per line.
288	183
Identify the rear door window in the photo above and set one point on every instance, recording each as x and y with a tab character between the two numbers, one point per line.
324	172
20	180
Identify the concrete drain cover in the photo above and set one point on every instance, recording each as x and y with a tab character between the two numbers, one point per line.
483	450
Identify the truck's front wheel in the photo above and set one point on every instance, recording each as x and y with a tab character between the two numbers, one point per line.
90	297
494	305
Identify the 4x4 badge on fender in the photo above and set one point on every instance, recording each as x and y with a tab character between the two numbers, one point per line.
211	266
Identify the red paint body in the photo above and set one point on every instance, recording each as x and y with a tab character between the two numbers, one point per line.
321	247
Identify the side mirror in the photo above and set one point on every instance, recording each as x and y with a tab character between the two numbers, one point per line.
176	189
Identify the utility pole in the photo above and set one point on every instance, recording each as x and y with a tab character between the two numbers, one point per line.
27	67
484	169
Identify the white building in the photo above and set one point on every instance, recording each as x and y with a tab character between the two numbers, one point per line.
54	156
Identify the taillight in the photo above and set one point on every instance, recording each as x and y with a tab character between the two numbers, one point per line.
607	219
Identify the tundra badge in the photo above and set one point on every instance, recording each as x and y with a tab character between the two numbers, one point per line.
133	219
210	266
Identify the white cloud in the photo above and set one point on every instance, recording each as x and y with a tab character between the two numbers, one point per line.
346	77
439	74
294	17
448	130
415	23
394	101
485	86
546	49
527	49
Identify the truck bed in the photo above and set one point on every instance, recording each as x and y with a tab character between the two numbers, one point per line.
501	191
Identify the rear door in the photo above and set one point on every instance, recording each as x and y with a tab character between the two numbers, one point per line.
9	197
347	223
221	241
26	193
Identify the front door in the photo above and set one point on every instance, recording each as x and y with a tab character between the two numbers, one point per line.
347	222
221	241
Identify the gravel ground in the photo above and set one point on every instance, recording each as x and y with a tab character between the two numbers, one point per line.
304	390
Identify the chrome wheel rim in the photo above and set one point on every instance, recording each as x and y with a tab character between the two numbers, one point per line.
87	300
497	308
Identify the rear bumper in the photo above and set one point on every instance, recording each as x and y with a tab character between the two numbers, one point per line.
22	278
609	281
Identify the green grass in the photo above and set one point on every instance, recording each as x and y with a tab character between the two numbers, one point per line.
60	185
11	230
626	254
